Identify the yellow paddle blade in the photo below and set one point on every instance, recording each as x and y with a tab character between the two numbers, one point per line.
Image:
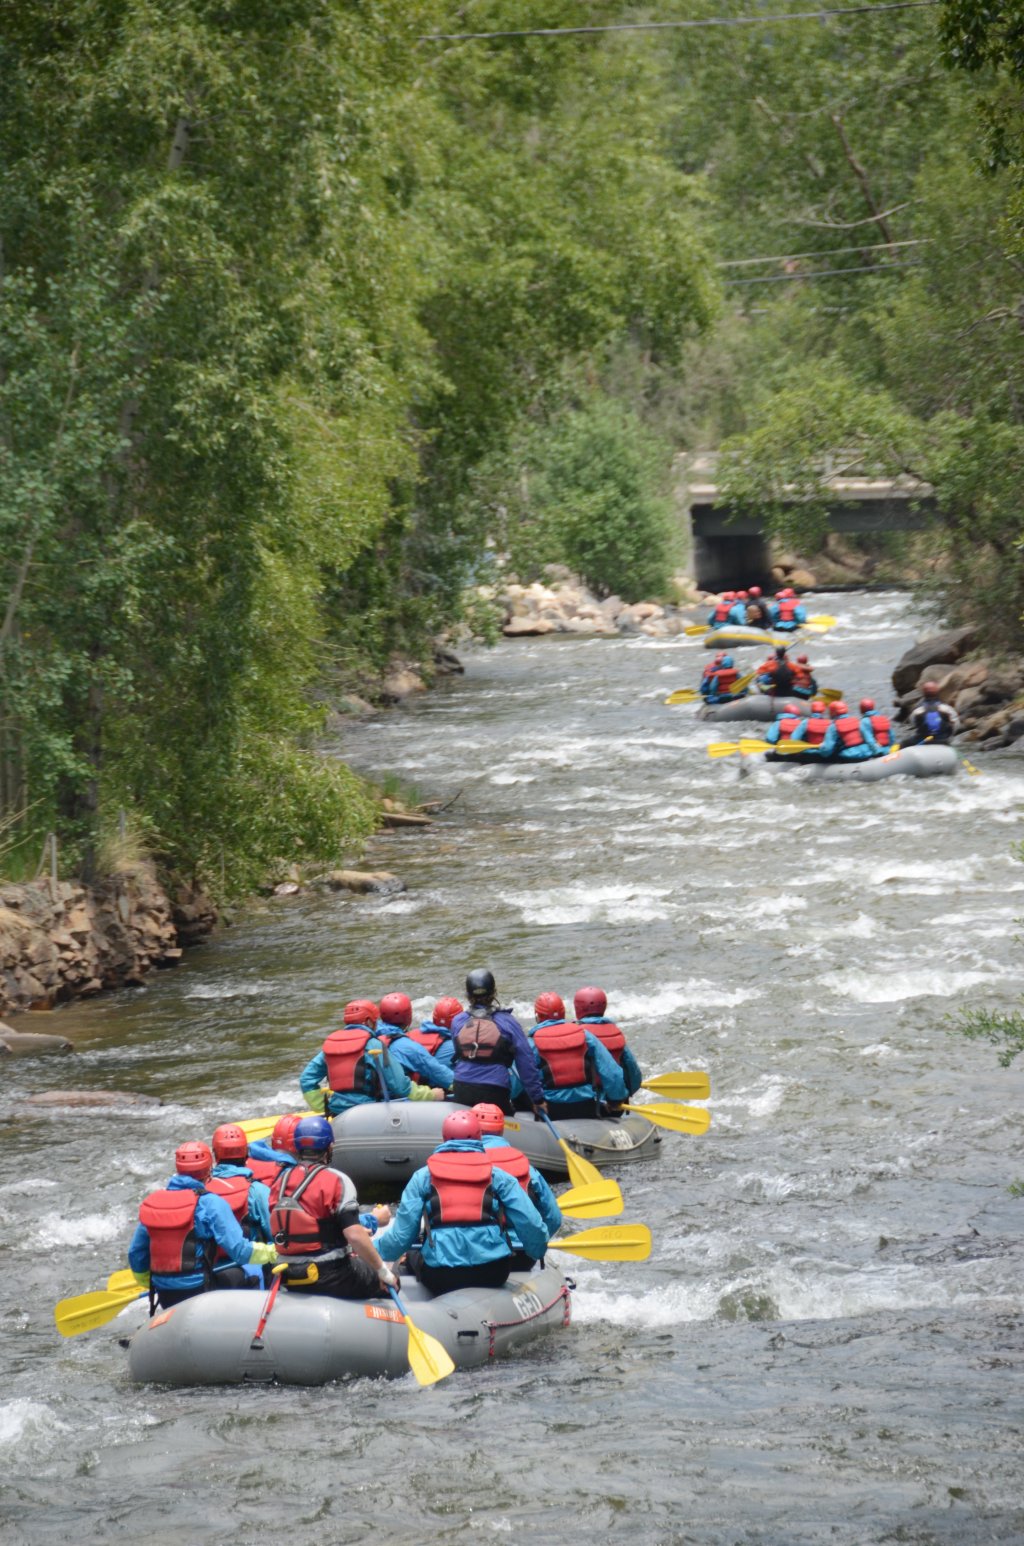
749	746
682	695
695	1086
829	695
742	684
119	1280
256	1128
693	629
969	766
615	1242
813	627
722	748
87	1311
678	1119
602	1200
823	620
428	1360
581	1171
790	748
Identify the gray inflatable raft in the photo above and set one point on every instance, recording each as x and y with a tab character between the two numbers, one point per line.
209	1340
381	1145
754	709
915	762
738	638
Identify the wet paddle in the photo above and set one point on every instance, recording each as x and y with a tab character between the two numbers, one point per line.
601	1200
688	1086
615	1242
256	1128
678	1119
268	1304
581	1171
682	695
119	1280
85	1312
428	1359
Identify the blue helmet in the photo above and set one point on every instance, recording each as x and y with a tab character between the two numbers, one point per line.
728	661
313	1135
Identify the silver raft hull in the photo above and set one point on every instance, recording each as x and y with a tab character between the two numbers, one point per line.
915	762
382	1145
209	1340
759	710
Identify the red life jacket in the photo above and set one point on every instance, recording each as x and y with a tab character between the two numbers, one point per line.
266	1171
512	1160
235	1192
724	679
787	724
294	1227
849	731
348	1069
881	728
803	676
169	1217
461	1189
722	610
816	729
563	1054
787	609
609	1035
429	1039
480	1041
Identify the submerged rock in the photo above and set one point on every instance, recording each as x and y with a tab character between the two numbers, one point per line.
31	1044
382	882
98	1099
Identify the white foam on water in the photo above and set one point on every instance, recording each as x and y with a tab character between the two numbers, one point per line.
22	1420
55	1229
505	777
668	1000
30	1184
213	990
886	985
589	904
771	1188
671	1305
880	1049
400	904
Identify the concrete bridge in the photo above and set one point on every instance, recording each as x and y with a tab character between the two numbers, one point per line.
732	550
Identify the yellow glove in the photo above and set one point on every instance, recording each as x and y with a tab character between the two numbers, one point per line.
263	1255
141	1278
316	1100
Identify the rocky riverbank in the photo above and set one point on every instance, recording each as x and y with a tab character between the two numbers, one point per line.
69	940
567	606
987	692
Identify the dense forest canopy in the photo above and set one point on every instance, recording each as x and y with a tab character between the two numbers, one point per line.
306	315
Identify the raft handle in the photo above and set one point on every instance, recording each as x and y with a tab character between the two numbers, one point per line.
406	1159
462	1334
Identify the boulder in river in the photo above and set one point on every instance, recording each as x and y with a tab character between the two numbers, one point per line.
943	649
381	882
31	1044
91	1099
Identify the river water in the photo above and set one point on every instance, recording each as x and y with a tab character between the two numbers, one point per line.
826	1344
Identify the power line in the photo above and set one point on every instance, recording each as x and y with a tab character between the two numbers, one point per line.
678	26
822	273
788	257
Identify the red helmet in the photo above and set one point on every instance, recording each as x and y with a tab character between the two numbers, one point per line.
461	1124
230	1142
791	708
283	1136
719	657
491	1118
742	595
817	707
780	595
396	1009
445	1011
193	1159
838	708
728	595
930	689
589	1001
548	1006
802	660
866	705
361	1011
789	591
755	590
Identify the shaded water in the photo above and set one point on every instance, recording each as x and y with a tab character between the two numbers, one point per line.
826	1344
